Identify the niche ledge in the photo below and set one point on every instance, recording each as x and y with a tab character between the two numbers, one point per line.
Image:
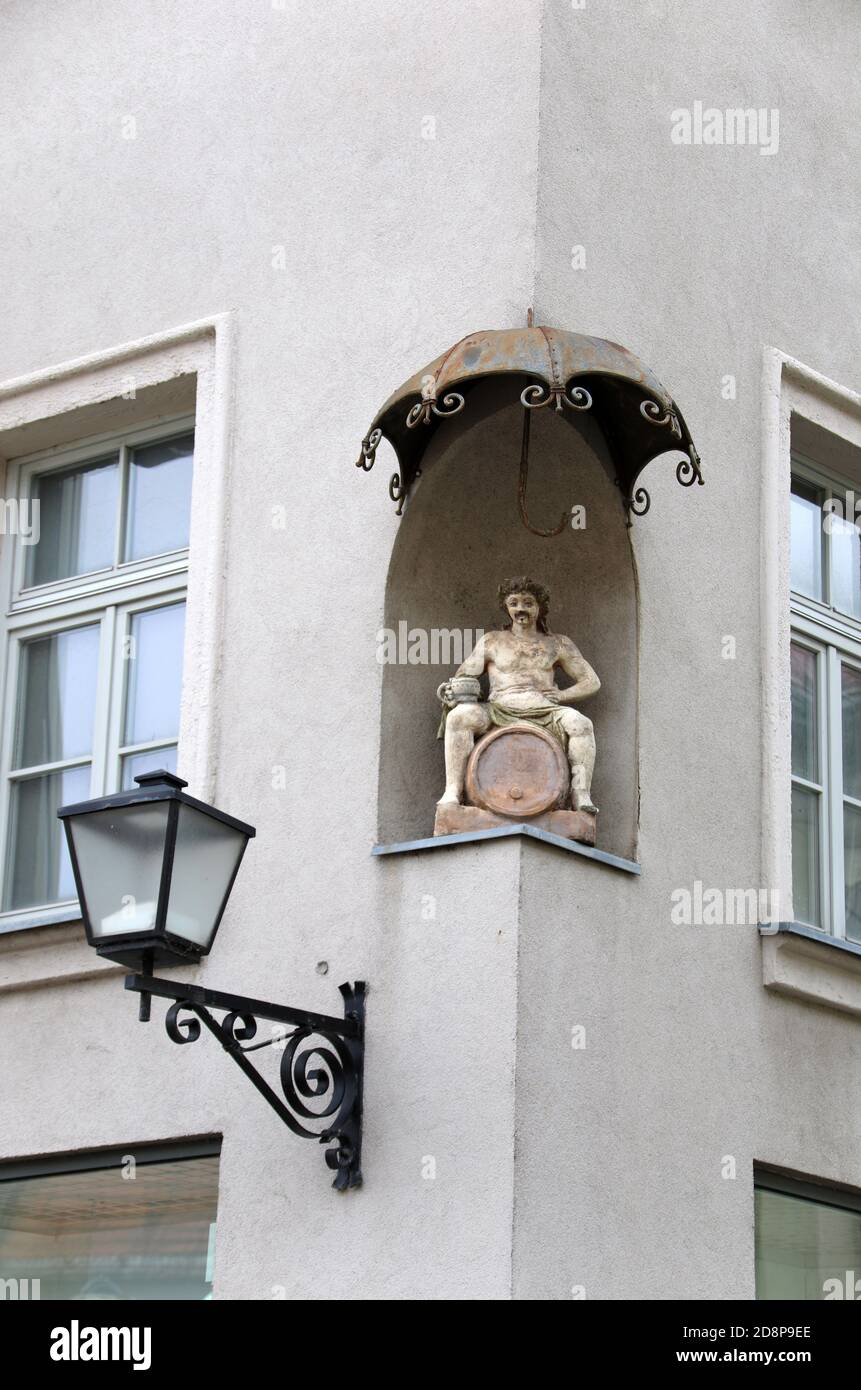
532	832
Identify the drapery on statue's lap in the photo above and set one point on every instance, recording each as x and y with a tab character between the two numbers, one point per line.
537	763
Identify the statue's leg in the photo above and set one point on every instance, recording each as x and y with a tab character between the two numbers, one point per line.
463	725
581	756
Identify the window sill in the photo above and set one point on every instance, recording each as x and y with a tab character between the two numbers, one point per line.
49	953
55	915
532	832
806	964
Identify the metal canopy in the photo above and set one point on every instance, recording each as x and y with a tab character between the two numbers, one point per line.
543	367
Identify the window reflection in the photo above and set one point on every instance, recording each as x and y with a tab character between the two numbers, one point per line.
100	1235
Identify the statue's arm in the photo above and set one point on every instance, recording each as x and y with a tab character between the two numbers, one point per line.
476	662
575	665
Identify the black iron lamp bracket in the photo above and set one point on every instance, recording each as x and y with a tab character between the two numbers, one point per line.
337	1049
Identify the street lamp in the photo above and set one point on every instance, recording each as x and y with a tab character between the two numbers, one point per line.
153	870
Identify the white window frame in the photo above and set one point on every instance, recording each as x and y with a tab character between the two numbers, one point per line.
789	389
108	597
106	385
19	483
835	638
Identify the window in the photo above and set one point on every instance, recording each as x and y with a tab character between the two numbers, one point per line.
826	701
808	1239
94	639
112	1225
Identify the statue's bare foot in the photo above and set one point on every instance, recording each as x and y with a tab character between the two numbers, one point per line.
584	802
449	798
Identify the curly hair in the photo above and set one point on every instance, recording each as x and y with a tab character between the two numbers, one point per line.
522	584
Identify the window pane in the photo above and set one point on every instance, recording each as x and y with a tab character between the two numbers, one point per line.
57	696
39	868
93	1237
162	760
852	870
154	674
845	566
77	521
805	855
159	502
806	546
804	713
850	681
800	1244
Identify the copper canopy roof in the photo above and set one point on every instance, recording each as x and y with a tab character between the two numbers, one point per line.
544	366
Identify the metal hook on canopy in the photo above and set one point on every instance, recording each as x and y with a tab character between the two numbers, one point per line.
521	486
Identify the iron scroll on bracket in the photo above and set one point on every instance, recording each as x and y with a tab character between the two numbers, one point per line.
335	1046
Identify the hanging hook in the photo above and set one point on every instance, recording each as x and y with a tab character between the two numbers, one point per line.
521	486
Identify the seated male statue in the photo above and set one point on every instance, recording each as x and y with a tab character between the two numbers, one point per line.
520	662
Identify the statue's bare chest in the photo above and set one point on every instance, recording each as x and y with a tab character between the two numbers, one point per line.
524	658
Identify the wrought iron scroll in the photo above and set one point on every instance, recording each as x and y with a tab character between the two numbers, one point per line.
397	492
451	404
688	472
321	1060
661	415
539	394
368	455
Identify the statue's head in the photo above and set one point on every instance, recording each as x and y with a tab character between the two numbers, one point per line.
521	598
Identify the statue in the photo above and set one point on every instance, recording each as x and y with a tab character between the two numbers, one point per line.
520	661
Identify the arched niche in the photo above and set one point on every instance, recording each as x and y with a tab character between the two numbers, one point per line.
459	536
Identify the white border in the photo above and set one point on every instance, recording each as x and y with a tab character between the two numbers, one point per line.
204	349
787	387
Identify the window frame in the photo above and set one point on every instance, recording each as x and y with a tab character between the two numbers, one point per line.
107	597
835	637
820	1193
809	1189
115	1157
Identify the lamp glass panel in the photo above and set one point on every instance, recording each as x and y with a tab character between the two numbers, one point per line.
120	852
207	853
